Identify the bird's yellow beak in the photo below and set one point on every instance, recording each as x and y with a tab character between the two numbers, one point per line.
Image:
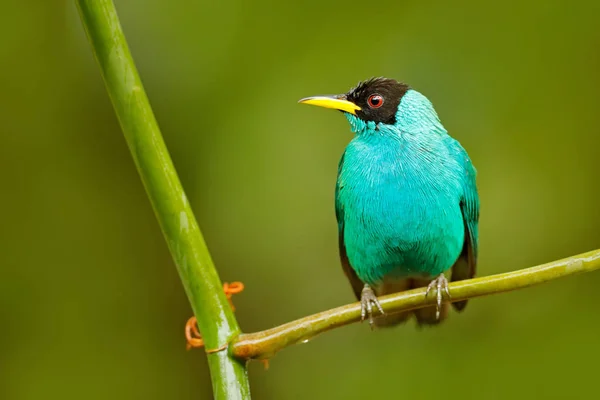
335	102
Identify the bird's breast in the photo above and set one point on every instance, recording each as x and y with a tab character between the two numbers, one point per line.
401	209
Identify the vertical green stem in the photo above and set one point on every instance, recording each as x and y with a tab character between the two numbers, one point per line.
200	280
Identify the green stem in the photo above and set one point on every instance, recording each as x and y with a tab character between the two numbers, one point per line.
265	344
200	280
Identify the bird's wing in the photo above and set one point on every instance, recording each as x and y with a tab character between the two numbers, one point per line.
356	283
465	266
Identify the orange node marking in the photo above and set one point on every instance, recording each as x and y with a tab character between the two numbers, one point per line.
265	363
192	334
230	289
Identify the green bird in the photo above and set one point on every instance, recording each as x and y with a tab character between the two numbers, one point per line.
406	199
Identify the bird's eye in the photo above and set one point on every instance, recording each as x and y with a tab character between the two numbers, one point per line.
375	101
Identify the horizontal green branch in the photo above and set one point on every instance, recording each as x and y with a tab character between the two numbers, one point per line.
265	344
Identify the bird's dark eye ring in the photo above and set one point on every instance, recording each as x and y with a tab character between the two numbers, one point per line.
375	101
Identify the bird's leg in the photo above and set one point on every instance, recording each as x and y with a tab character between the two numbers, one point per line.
192	334
367	300
440	284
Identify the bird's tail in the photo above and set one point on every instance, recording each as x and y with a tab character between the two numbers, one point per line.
424	316
389	287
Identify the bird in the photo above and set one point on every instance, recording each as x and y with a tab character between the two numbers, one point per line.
406	200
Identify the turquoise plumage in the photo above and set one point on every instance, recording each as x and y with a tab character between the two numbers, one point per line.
406	199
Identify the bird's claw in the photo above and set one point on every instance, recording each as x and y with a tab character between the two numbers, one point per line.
367	300
440	284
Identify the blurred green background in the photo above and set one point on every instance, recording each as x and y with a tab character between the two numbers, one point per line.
91	304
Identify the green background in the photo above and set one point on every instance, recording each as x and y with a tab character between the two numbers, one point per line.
91	305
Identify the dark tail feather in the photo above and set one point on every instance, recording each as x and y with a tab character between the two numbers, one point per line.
390	320
460	305
425	316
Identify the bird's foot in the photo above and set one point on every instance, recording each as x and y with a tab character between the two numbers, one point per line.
192	334
440	284
367	300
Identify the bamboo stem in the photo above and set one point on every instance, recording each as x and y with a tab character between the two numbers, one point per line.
184	238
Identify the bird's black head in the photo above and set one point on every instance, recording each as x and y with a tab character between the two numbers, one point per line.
378	99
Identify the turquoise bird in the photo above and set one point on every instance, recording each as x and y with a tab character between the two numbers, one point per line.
406	200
